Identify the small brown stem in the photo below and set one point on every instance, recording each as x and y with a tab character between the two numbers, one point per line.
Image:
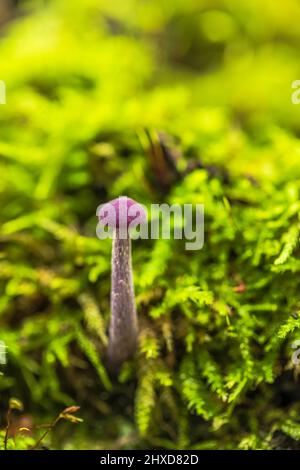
8	417
50	427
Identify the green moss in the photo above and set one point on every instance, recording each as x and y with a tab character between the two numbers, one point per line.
93	92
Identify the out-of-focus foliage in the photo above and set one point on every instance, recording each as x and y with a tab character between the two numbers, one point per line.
96	91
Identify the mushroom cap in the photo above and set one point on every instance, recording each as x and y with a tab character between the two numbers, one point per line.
122	212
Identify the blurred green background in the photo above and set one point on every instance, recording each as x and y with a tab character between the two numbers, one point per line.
165	101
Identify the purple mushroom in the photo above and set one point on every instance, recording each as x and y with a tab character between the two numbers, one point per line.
121	214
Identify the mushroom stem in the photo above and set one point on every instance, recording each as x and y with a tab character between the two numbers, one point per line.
123	326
